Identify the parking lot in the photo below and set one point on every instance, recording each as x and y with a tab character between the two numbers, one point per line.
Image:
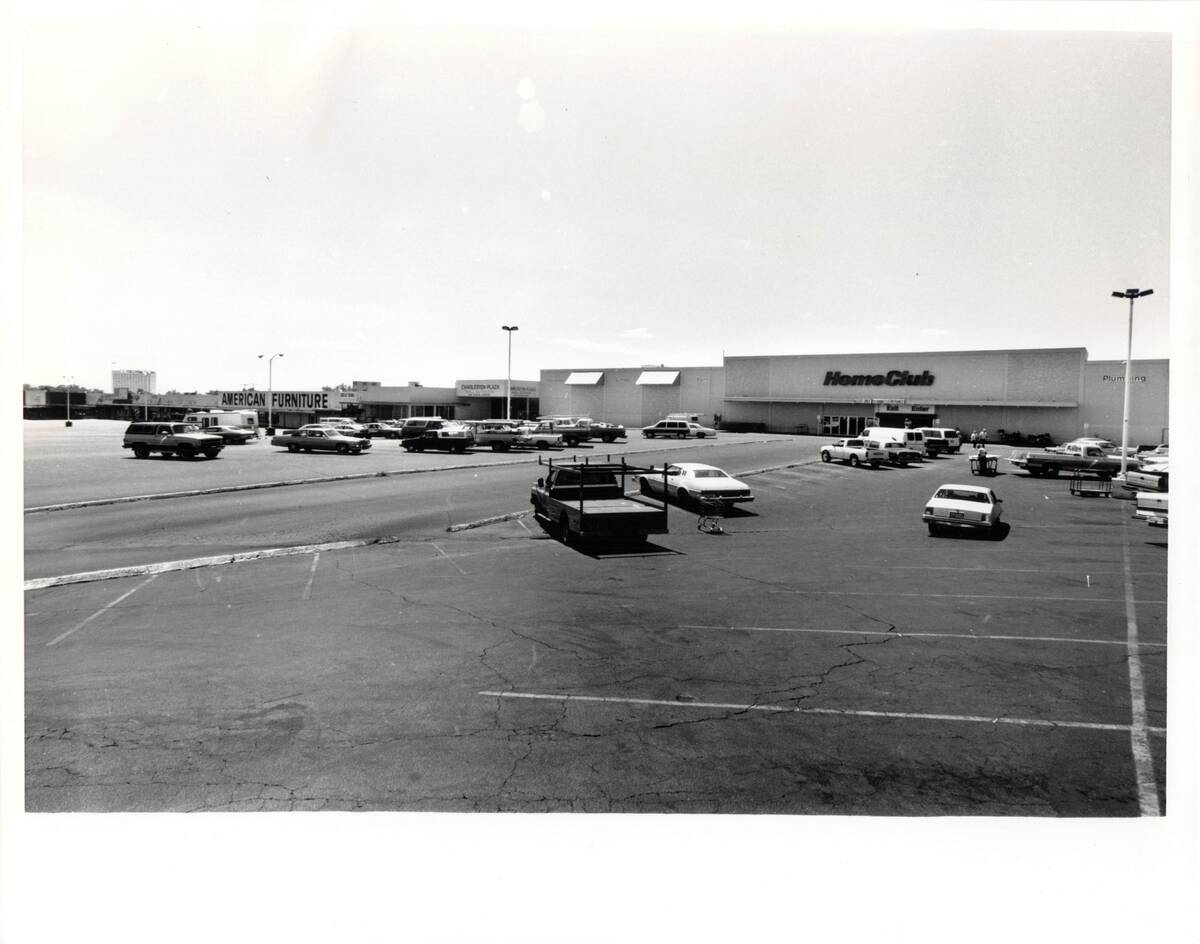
822	654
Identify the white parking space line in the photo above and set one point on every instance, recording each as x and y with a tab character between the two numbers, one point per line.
1142	761
450	559
100	612
851	592
980	637
843	712
311	574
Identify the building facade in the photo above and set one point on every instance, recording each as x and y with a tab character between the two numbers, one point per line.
1057	391
634	396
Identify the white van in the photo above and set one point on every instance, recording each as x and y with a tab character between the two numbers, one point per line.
912	439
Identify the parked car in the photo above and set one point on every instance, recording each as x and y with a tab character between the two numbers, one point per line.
321	439
542	435
692	481
679	429
855	451
963	506
447	435
380	431
236	435
186	440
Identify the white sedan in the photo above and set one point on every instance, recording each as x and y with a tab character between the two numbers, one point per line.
694	481
963	506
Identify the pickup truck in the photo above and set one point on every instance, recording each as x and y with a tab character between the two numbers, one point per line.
588	500
573	429
854	451
1151	508
1073	457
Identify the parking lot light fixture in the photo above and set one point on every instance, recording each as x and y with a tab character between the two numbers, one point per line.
508	329
1131	294
270	387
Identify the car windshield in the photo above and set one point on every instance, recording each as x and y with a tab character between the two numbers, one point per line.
958	494
709	474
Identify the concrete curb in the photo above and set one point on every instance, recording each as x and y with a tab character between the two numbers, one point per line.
140	570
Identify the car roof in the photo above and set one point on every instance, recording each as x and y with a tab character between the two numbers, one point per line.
693	466
965	488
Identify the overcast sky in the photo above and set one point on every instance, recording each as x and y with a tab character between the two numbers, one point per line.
374	201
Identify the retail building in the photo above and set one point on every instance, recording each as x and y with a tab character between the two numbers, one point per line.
1030	391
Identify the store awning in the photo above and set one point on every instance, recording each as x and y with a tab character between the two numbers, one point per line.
657	378
584	377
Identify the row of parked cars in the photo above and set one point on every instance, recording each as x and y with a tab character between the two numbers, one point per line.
881	444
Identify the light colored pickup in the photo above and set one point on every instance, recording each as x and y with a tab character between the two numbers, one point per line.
1074	457
1152	508
856	452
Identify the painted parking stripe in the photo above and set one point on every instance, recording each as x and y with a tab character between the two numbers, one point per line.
982	637
850	592
844	712
100	612
1143	763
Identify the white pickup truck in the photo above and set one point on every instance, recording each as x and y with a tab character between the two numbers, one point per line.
855	451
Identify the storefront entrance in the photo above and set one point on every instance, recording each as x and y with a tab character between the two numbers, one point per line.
843	425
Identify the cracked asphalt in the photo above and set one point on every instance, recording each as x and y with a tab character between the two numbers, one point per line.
822	656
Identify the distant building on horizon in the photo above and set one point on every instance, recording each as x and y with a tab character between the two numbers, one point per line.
135	380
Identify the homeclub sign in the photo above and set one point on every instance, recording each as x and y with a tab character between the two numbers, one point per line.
305	400
893	378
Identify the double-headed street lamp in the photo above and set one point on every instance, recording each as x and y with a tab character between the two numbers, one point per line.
508	329
270	388
1131	294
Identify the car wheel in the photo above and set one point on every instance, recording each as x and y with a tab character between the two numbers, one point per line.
141	451
1052	472
292	447
854	461
875	464
343	449
211	453
701	435
826	457
683	496
933	528
644	485
187	452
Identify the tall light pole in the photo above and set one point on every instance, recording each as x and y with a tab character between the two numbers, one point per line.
1131	294
508	329
270	388
69	380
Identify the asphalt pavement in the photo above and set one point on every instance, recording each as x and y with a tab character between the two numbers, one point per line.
819	654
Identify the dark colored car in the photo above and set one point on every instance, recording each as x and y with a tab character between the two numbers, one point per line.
232	434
